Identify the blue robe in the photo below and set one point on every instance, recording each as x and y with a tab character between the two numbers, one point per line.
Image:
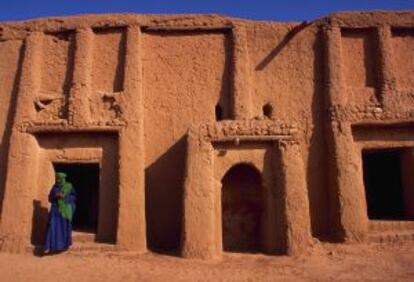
59	233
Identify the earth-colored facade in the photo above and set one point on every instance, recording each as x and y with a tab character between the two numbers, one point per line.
182	115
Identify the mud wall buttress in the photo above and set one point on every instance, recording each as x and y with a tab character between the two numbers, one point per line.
10	73
296	203
347	201
387	79
200	227
131	224
241	75
22	157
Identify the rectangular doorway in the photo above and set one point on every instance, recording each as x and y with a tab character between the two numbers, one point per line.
386	185
85	180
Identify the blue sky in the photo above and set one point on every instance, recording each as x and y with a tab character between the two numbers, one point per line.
273	10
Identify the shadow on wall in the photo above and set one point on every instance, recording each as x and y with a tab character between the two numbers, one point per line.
316	178
288	37
120	68
164	181
70	66
369	49
276	243
225	89
121	51
316	163
5	141
39	223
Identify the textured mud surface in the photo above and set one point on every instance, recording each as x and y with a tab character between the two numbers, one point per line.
324	262
169	107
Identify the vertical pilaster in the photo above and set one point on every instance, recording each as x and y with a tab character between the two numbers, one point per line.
79	112
347	185
271	221
200	230
22	165
131	233
387	79
348	207
295	198
336	81
30	79
241	75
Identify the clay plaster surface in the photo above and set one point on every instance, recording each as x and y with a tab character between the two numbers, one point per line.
152	84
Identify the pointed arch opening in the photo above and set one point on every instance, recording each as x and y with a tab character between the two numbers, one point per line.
242	209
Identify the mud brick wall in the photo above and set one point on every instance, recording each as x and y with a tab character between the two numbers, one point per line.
299	101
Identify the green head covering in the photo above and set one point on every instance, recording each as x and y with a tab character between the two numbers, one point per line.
65	209
60	177
60	174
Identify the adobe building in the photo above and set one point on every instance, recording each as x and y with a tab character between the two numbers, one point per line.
204	134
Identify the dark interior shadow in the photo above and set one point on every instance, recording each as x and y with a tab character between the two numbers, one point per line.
288	37
382	172
85	180
164	180
5	141
242	209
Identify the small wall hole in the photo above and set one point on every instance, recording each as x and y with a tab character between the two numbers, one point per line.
268	110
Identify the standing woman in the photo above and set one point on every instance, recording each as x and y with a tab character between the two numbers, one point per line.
62	197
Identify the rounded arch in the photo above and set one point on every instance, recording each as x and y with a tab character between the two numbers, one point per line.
242	207
241	166
227	167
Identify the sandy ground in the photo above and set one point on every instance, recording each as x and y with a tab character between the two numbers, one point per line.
379	262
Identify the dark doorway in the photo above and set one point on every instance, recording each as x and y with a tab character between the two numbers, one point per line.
242	209
85	180
383	184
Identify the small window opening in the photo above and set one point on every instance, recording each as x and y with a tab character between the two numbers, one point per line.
219	112
268	110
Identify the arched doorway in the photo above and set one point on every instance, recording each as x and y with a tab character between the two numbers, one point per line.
242	209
